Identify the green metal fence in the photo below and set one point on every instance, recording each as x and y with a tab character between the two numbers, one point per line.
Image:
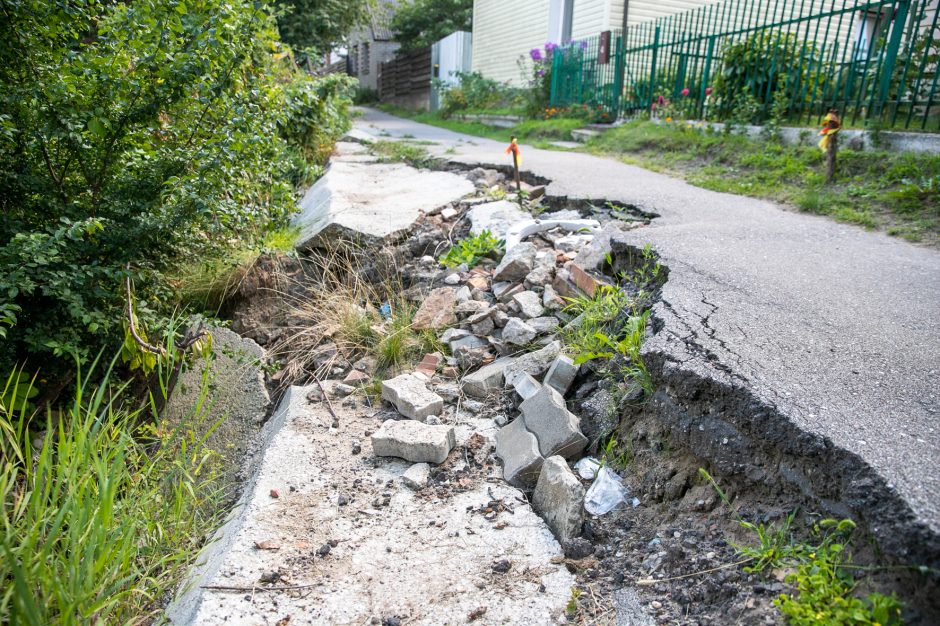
752	60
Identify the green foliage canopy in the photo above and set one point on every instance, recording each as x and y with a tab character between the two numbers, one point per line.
139	135
316	26
419	23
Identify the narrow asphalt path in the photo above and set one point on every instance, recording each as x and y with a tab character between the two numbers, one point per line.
836	328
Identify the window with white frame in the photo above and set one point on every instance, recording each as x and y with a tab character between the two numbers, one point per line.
560	18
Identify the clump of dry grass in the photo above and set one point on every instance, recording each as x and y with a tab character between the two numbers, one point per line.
359	317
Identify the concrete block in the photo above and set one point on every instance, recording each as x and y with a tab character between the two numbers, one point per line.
534	363
561	374
526	386
555	427
558	498
519	451
414	441
487	379
411	397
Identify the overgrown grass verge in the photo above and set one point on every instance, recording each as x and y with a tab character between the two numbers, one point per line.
819	570
539	133
897	192
102	509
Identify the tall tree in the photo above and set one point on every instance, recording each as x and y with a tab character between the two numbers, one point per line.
419	23
315	26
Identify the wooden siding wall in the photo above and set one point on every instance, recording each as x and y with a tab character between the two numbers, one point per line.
406	79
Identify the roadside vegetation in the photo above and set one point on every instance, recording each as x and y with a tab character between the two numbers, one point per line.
897	192
819	570
149	154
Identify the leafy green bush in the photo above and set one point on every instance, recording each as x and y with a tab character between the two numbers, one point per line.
473	92
139	135
755	69
473	249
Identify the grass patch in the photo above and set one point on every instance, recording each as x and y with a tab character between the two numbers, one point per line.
102	509
410	152
896	192
539	133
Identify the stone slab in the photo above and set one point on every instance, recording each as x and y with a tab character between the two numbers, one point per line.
554	426
414	441
561	374
558	498
411	397
519	450
486	380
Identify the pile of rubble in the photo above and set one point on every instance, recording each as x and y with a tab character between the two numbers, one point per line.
501	323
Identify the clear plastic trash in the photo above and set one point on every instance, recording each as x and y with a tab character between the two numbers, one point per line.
606	493
587	467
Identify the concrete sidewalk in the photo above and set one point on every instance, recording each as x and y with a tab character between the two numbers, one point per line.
822	340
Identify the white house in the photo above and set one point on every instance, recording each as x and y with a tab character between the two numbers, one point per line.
505	30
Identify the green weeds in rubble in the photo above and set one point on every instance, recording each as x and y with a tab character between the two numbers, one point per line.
473	249
616	455
824	591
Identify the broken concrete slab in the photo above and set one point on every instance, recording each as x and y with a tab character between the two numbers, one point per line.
542	325
516	263
486	380
530	304
416	477
437	310
517	332
240	397
367	202
534	363
411	397
496	217
554	426
414	441
561	374
526	228
558	498
519	450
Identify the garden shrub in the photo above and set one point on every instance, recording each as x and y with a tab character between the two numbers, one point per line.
473	91
140	136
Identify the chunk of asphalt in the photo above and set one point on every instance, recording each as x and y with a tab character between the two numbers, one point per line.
554	426
519	451
414	441
558	498
411	397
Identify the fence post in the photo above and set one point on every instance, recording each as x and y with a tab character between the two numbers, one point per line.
706	77
653	67
891	53
618	77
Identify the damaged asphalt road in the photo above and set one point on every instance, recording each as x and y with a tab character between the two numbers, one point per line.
821	339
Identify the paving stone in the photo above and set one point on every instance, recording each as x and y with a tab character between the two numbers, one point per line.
542	325
487	379
534	363
437	310
414	441
555	427
530	304
518	333
411	397
558	498
526	386
517	263
561	374
519	451
416	477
